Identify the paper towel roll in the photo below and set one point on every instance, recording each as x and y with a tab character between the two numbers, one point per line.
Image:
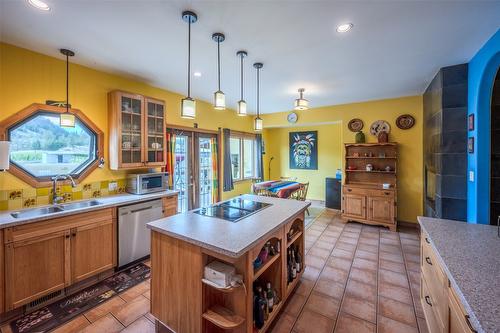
4	155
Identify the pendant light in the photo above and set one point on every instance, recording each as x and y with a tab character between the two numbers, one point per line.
219	97
242	105
258	124
4	155
188	105
67	119
301	103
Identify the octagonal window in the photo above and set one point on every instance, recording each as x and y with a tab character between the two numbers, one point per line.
42	148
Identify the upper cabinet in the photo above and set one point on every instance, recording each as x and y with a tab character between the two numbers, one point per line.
137	136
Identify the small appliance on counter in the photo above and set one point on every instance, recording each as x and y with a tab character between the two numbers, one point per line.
221	275
147	182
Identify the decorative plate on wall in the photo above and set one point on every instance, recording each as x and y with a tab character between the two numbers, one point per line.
355	125
380	126
405	121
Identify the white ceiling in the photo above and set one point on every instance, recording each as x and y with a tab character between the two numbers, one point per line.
394	49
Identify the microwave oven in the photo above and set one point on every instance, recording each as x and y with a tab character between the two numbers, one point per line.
147	182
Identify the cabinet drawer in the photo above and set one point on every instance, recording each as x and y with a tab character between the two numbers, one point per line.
368	192
428	305
459	319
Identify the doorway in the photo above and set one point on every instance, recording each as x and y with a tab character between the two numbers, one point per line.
195	160
495	152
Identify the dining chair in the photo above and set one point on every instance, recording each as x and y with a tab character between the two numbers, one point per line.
301	194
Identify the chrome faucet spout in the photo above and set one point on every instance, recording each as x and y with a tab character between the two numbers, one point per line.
55	198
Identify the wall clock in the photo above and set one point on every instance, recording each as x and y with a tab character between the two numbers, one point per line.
380	126
292	118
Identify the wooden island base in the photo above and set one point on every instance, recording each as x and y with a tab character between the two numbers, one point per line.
183	303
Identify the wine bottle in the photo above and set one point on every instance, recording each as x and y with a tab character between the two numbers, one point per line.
294	267
259	304
270	297
289	266
298	259
264	304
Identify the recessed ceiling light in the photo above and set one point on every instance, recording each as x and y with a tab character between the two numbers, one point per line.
38	4
344	27
197	74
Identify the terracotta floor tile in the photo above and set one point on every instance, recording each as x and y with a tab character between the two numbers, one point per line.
141	325
397	279
361	290
342	253
340	263
324	245
148	263
418	306
364	264
294	304
310	321
314	261
412	258
388	234
330	288
334	274
410	249
368	248
408	241
104	308
368	241
312	232
330	233
387	325
304	287
413	267
409	235
394	292
107	324
74	325
397	311
422	325
283	323
321	253
391	257
348	240
147	294
311	273
370	234
390	249
363	275
390	241
349	324
132	310
366	255
150	317
392	266
345	246
135	291
360	308
325	305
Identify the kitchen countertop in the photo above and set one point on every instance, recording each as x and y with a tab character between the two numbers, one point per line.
6	220
470	255
225	237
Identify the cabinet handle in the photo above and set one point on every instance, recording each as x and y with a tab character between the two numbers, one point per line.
67	236
386	193
428	260
349	190
73	234
467	320
427	300
427	240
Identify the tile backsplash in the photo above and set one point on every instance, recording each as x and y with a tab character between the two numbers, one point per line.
31	197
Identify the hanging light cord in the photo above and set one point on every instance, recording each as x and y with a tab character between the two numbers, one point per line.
189	58
218	60
242	76
67	82
258	92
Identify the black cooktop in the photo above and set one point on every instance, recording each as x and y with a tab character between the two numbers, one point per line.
232	210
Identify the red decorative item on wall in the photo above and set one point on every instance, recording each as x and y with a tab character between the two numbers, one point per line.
383	137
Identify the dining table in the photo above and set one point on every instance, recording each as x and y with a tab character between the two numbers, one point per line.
279	188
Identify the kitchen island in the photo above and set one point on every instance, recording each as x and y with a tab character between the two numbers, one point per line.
182	245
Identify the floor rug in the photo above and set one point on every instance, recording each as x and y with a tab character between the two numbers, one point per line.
60	312
314	212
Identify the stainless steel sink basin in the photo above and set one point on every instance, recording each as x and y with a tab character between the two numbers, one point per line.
34	212
81	204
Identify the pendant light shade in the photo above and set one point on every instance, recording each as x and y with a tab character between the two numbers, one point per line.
219	97
67	119
258	124
4	155
301	103
188	105
242	105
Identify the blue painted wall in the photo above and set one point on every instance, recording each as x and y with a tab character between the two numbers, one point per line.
482	71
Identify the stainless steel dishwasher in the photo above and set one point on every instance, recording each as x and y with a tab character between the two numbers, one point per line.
134	238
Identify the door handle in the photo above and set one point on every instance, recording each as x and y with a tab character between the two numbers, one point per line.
428	260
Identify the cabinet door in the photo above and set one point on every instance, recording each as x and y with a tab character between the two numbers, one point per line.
170	206
155	132
458	319
355	206
131	136
36	267
381	209
92	249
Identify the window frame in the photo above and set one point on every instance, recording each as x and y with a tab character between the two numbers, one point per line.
241	136
33	110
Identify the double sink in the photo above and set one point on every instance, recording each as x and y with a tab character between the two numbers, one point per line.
36	212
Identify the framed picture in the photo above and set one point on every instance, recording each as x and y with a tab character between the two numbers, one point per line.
470	123
304	150
470	145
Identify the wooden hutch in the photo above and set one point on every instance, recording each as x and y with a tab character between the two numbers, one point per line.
364	198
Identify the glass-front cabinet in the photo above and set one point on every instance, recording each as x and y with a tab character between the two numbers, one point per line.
136	131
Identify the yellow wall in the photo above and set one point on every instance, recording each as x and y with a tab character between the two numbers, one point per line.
329	156
27	77
410	162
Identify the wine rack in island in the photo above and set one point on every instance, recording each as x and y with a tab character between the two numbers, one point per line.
369	192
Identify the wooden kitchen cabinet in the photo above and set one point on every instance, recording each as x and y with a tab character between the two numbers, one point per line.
458	317
354	206
137	137
381	209
47	256
169	205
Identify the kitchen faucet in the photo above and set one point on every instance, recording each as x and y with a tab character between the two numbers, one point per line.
56	199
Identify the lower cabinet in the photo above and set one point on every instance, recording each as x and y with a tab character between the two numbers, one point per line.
380	209
45	257
355	206
169	205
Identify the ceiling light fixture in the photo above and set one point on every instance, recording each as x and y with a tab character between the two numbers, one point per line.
219	97
301	103
188	105
197	74
38	4
242	105
258	123
67	119
344	27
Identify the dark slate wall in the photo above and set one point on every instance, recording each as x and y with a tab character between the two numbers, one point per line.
445	144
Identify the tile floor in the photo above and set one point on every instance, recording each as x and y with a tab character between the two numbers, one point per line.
358	279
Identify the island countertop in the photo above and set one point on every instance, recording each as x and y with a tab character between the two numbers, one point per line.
470	255
225	237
